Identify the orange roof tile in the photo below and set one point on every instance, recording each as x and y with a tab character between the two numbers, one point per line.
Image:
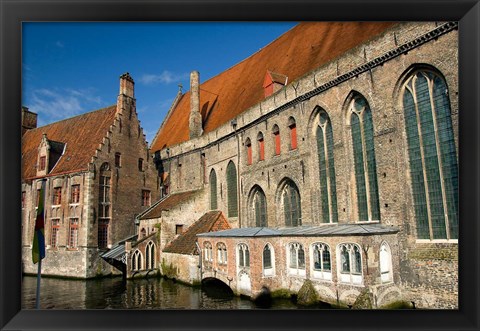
300	50
185	243
81	134
166	204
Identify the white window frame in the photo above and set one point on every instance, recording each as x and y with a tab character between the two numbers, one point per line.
269	272
297	271
322	273
349	277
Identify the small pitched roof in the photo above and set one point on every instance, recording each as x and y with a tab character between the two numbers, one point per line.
300	50
185	243
80	135
166	204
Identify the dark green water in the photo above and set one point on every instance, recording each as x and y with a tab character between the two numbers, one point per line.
114	293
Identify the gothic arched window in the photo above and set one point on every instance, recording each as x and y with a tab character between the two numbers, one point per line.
258	207
213	190
364	160
232	190
290	198
432	154
328	191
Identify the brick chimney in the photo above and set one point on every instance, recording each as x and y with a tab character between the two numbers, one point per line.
125	100
195	122
29	120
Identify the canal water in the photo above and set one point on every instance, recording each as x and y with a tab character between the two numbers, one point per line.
151	293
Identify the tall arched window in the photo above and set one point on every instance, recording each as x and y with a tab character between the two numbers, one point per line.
328	191
208	252
432	154
232	190
364	160
290	198
221	253
137	261
258	207
150	255
213	190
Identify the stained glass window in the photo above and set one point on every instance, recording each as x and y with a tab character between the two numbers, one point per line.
291	204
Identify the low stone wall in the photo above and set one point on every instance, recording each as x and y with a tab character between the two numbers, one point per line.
184	268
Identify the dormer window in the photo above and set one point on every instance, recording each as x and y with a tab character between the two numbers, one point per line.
273	82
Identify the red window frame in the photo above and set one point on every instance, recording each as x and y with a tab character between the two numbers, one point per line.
75	197
249	154
57	195
277	142
293	136
261	149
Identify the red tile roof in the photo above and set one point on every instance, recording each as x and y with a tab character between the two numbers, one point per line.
81	134
209	222
302	49
168	203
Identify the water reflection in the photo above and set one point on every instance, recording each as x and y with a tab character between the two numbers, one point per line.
115	293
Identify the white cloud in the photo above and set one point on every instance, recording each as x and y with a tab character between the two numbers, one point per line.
56	104
166	77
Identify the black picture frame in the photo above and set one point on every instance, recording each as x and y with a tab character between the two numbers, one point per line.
13	12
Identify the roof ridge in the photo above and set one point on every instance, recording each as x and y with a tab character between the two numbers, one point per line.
72	118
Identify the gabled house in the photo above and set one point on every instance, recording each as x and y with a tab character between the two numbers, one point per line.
99	175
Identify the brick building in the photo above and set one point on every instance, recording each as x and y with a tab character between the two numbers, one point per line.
331	124
99	176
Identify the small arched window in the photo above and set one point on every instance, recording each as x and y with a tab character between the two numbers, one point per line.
208	255
268	260
232	190
261	147
432	154
243	256
292	125
350	261
296	260
276	139
248	145
328	191
221	253
213	190
322	265
364	160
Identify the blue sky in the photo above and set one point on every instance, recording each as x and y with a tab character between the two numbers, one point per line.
72	68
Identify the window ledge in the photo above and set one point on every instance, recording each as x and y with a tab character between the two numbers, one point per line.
436	241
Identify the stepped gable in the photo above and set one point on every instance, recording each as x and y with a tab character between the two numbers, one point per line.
166	204
209	222
302	49
81	136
